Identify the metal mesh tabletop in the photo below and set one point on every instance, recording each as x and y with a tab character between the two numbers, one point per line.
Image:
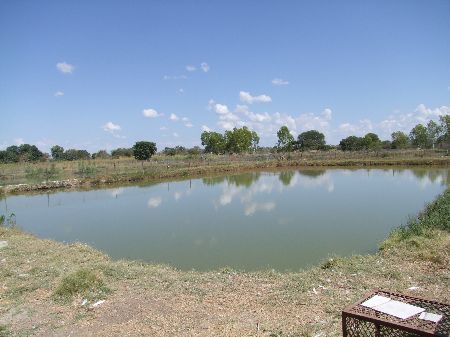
361	321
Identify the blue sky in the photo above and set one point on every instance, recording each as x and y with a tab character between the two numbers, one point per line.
104	74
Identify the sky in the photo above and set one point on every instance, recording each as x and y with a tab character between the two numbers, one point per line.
104	74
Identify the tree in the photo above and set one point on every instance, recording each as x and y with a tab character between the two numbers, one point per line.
22	153
434	130
371	141
74	154
386	144
285	140
194	151
102	154
400	140
419	136
255	140
144	150
122	152
11	154
57	152
445	127
213	142
240	140
352	143
311	140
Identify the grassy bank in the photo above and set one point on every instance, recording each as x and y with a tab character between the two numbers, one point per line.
43	176
49	288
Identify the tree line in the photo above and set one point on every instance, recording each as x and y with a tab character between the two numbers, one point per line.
242	140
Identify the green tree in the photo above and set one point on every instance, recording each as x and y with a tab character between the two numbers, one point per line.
102	154
352	143
144	150
445	127
194	151
285	140
400	140
255	140
372	141
419	136
434	130
122	152
57	152
74	154
213	142
11	154
22	153
311	140
240	140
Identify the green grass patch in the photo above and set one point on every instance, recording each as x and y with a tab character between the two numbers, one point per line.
83	282
436	216
4	331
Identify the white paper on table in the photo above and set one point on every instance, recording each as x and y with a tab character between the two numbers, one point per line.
391	307
375	300
398	309
428	316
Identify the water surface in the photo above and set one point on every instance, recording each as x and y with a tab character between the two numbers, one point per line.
283	220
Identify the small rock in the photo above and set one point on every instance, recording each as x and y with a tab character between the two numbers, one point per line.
84	302
3	244
414	288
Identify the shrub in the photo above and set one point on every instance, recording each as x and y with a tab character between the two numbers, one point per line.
82	282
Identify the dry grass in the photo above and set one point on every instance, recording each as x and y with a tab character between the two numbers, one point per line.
157	300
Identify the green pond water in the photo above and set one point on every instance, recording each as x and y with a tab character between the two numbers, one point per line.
283	220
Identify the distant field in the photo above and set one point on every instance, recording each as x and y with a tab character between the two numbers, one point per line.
98	171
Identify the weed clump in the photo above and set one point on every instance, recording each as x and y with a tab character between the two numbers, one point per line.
330	263
82	282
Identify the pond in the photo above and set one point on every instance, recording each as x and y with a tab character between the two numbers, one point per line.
284	220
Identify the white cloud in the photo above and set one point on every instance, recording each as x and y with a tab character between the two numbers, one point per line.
111	127
205	67
191	68
174	77
59	94
19	141
227	120
151	113
188	125
221	109
185	119
395	122
163	128
176	135
65	68
279	81
361	128
246	97
154	202
206	128
174	117
254	117
180	91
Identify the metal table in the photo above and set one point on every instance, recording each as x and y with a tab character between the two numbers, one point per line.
360	321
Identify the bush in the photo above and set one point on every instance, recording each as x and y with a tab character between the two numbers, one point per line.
82	282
